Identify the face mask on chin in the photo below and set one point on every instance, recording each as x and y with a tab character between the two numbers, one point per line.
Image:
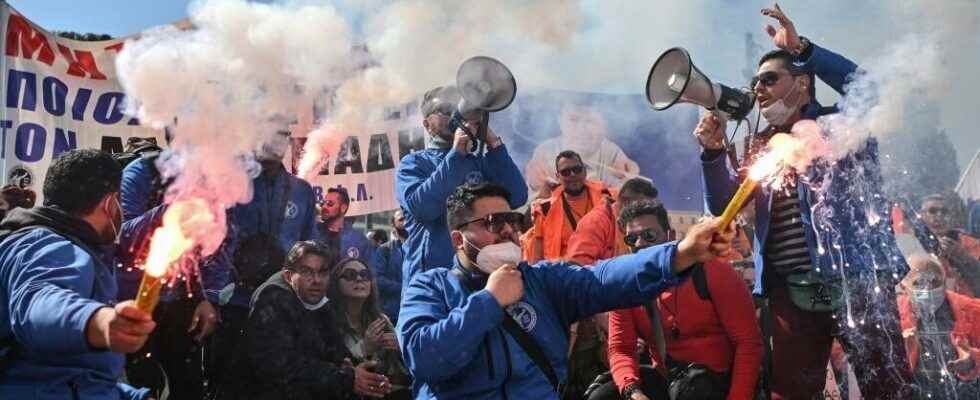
491	257
927	301
778	113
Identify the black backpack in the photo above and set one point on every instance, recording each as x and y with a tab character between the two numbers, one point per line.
257	258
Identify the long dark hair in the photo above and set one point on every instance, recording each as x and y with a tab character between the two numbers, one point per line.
371	309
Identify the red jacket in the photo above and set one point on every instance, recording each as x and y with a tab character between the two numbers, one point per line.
721	333
597	238
966	325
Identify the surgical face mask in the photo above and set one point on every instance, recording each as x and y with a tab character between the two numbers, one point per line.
779	112
312	307
491	257
927	301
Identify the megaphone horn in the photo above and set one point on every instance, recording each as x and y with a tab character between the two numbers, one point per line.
675	79
485	85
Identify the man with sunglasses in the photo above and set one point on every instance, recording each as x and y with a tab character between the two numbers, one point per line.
598	236
817	249
338	232
491	326
427	177
556	218
708	320
959	252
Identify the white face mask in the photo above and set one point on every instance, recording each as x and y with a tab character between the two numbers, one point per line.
312	307
491	257
779	112
929	300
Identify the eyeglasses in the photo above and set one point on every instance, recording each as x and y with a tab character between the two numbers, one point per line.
571	171
495	222
351	275
937	210
649	235
307	273
767	78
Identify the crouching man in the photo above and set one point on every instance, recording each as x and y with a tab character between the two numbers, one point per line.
490	325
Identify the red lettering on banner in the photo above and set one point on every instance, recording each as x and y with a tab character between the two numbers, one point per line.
80	63
116	47
24	41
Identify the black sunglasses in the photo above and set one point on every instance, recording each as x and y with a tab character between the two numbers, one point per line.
353	276
571	171
767	78
649	235
495	222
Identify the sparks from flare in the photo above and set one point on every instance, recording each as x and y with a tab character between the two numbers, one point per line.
168	244
783	150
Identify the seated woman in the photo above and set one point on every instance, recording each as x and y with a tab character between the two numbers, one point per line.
713	344
368	333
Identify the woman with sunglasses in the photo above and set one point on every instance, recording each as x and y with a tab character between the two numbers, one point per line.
368	334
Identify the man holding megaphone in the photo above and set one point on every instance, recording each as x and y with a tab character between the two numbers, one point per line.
427	177
803	284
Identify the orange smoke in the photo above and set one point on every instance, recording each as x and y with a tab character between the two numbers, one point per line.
172	240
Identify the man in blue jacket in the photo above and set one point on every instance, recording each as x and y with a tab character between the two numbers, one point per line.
826	228
427	177
175	348
489	326
387	266
62	334
337	232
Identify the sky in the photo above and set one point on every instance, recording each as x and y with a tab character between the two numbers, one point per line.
113	17
825	24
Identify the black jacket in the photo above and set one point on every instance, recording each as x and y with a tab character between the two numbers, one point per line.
291	352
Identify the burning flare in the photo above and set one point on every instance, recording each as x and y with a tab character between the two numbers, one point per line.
783	150
169	243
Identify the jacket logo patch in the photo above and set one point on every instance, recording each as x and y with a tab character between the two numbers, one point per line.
524	314
353	252
291	210
474	178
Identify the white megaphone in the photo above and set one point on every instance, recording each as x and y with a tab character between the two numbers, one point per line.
485	85
674	79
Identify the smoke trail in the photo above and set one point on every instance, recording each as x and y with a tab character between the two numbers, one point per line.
230	83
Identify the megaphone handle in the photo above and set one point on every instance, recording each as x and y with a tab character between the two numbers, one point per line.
729	147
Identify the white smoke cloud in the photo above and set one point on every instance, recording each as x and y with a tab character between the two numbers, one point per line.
247	68
230	83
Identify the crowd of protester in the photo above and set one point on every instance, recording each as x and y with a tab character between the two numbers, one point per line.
589	294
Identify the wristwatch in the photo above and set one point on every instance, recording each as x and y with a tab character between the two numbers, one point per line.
630	389
495	143
802	47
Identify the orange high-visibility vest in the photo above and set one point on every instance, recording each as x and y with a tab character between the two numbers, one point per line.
550	221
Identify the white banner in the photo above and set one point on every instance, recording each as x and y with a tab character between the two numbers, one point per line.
59	95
